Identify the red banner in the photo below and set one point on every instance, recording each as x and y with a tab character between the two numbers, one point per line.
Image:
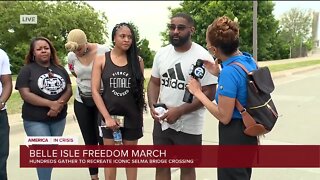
170	156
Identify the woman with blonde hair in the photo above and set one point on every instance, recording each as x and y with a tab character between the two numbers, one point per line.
80	60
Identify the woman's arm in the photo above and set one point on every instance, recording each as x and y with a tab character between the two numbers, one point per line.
174	113
97	68
223	111
71	59
65	97
36	100
141	65
63	100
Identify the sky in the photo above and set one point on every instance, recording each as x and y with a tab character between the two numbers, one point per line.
151	17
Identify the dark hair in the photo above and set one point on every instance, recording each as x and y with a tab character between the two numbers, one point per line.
223	33
53	53
134	67
186	17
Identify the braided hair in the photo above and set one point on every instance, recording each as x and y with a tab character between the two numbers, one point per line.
134	67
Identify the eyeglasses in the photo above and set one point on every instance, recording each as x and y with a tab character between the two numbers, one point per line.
180	27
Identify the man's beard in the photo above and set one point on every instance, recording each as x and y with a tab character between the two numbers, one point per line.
180	42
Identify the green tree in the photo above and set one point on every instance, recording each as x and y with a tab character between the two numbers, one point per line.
204	12
143	46
54	21
146	53
296	30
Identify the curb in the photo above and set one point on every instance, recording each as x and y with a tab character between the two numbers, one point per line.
295	71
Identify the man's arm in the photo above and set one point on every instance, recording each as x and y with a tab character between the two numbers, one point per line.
208	90
174	113
6	89
153	91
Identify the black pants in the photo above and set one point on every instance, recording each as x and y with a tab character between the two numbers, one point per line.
87	118
232	134
4	147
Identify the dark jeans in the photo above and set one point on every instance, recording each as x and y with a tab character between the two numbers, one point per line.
4	148
87	118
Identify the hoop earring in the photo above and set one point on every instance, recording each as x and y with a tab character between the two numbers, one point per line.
33	58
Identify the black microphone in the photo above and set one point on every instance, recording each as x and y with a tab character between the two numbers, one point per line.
197	72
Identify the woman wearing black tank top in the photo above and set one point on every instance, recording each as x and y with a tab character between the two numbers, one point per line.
121	71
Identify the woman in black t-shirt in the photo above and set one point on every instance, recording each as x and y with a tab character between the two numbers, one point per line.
45	87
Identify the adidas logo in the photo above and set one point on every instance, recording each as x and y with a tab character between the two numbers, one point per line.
174	78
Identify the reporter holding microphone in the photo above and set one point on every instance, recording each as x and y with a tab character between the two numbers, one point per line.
222	39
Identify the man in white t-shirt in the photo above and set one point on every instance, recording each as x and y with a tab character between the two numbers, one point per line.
182	124
5	93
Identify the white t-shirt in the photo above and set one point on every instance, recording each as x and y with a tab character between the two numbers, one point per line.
173	68
4	67
83	72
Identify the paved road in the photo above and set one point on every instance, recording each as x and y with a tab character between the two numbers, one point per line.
296	96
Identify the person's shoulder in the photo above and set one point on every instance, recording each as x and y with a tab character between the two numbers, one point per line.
3	54
198	47
140	58
71	55
100	57
248	60
28	67
165	48
102	48
198	50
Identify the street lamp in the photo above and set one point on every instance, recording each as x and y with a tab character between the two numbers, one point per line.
255	32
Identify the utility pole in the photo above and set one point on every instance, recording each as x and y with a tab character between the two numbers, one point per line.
255	31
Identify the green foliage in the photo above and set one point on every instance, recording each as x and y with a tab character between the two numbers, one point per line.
55	20
143	45
204	12
146	53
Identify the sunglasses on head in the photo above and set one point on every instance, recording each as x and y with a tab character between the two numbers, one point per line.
180	27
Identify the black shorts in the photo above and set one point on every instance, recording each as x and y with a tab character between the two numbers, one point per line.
172	137
127	133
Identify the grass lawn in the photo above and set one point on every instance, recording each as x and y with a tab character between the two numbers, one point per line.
287	66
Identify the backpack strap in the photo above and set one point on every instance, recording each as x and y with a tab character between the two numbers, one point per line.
247	118
242	67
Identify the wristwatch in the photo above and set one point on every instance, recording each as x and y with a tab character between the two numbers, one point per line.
2	103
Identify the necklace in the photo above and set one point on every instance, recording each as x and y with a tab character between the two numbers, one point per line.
85	51
50	73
